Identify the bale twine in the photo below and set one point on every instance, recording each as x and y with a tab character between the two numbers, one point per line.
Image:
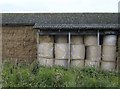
77	63
77	51
109	53
46	39
61	39
90	40
76	40
45	50
110	40
93	53
89	63
108	66
61	62
45	62
61	51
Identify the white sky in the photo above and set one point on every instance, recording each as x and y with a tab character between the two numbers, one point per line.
46	6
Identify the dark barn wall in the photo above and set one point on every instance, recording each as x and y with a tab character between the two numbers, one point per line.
19	43
119	52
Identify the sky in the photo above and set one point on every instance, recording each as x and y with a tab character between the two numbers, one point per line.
58	6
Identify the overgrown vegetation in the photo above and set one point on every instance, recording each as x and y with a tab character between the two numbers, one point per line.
32	75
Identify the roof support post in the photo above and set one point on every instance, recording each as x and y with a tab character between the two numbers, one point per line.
69	49
37	37
98	48
98	37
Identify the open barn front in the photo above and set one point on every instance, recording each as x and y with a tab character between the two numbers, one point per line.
94	48
63	39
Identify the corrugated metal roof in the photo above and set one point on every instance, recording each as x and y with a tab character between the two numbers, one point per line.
77	26
17	19
63	20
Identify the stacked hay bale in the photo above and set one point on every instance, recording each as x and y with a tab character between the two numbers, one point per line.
77	51
93	51
87	53
45	50
61	51
109	53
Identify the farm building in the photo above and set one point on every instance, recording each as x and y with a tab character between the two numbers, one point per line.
65	39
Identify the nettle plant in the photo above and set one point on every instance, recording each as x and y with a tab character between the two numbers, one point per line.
33	75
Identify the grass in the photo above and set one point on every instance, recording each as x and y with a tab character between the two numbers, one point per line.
33	75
